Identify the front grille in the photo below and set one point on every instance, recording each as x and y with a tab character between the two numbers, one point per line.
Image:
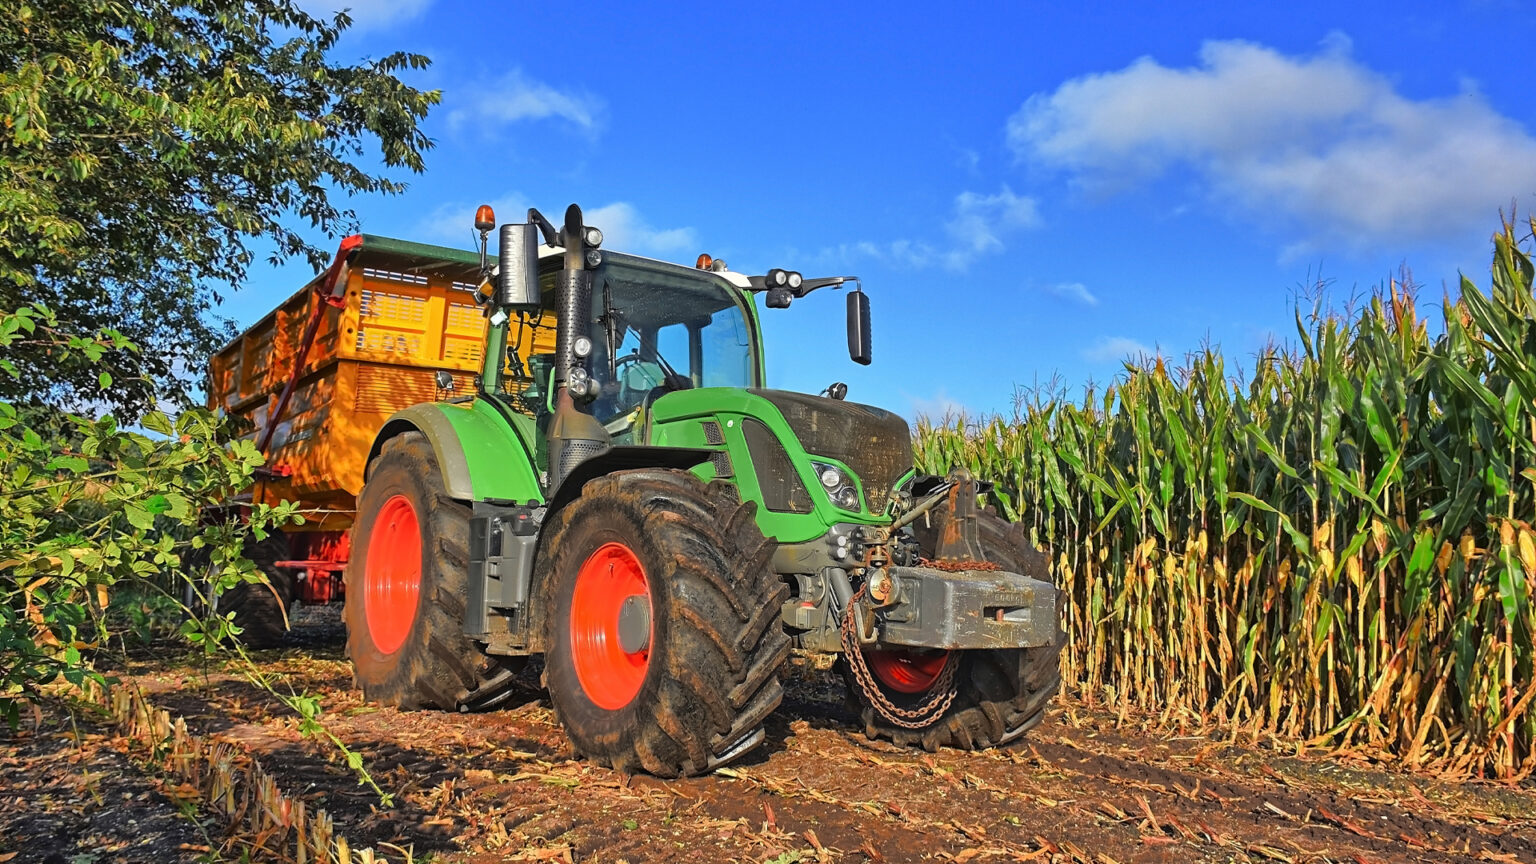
874	443
782	490
722	462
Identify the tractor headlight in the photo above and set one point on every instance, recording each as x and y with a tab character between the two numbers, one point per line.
838	484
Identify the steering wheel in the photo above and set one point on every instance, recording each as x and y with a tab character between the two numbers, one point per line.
630	359
628	396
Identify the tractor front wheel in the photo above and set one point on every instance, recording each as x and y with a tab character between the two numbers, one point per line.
999	695
662	633
407	581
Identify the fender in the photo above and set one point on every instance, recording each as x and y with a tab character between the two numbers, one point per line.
626	458
482	449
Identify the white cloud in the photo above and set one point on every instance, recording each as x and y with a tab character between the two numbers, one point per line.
980	221
1319	140
977	226
896	253
624	229
368	14
1113	349
514	97
453	222
1075	291
939	408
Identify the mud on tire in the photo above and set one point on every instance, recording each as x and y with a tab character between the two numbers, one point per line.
410	651
1001	694
710	668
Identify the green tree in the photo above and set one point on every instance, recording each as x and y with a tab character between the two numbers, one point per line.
146	146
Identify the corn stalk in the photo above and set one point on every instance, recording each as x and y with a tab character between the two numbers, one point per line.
1336	548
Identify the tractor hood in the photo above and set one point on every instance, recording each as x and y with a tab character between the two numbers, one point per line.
875	444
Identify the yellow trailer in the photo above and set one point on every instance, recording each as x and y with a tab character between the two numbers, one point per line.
387	316
315	379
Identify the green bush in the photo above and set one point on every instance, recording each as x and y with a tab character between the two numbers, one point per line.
90	510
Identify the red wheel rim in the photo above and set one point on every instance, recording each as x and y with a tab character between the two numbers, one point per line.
905	671
392	575
609	675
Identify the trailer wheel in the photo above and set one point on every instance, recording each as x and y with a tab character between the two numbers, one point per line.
261	610
1001	694
662	634
407	581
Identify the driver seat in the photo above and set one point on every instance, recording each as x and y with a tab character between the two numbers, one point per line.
672	384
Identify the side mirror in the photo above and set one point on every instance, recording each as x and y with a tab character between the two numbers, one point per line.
517	267
858	328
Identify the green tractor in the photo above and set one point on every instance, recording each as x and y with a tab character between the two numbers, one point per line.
639	510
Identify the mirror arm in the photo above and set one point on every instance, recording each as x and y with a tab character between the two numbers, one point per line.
551	236
758	284
810	285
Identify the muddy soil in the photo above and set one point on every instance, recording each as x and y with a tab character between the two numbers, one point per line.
504	786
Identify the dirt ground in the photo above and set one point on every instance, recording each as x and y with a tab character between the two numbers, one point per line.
504	786
69	794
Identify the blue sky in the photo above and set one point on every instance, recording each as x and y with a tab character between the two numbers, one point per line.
1029	190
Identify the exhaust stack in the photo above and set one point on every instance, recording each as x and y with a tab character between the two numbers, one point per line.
574	434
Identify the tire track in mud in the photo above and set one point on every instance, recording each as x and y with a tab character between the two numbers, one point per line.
484	787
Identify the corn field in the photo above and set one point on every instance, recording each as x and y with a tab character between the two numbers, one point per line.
1333	549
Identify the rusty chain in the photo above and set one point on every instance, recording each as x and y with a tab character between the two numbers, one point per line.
943	692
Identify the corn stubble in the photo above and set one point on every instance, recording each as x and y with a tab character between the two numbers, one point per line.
1335	549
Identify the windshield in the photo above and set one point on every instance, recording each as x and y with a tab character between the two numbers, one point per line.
669	328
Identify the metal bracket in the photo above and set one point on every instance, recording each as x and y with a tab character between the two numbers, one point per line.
502	543
958	541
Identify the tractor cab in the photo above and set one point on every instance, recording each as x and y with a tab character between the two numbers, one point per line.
657	328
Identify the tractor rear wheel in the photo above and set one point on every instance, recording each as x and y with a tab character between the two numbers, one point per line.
261	610
662	635
1000	694
407	582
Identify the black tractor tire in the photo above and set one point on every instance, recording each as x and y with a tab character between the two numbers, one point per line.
716	643
260	610
1001	693
432	664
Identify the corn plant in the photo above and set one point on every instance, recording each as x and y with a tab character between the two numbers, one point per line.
1334	548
